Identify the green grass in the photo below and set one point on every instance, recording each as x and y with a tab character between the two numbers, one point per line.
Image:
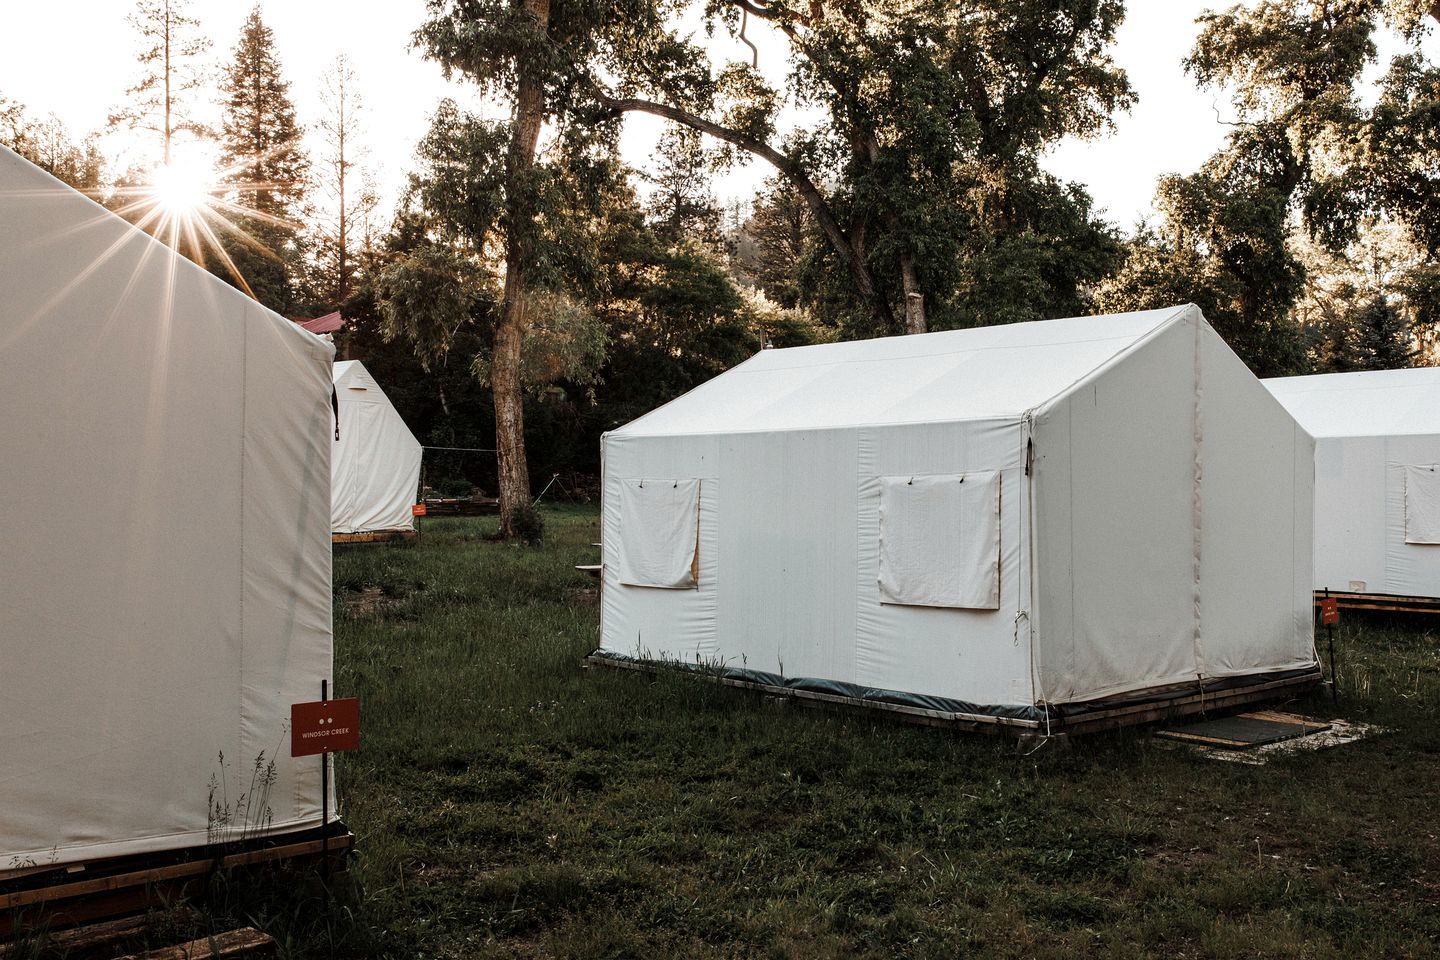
509	804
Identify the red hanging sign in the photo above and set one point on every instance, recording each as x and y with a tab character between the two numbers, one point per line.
324	726
417	510
1329	610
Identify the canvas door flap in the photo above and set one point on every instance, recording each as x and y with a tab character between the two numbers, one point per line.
1422	504
659	532
940	540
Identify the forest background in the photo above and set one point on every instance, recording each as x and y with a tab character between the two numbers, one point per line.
530	290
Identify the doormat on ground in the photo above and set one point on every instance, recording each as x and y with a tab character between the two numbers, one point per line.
1256	736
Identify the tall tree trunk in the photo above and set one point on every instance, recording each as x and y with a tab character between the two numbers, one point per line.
914	299
510	331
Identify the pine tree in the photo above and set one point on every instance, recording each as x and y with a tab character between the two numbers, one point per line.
682	206
170	57
1382	335
775	241
265	166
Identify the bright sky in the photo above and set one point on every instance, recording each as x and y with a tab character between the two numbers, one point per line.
79	63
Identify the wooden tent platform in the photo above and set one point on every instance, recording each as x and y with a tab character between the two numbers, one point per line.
462	507
1142	707
1380	601
374	536
80	893
119	938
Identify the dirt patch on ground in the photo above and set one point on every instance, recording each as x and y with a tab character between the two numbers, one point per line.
368	601
585	596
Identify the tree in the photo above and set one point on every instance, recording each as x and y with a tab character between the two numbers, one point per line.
48	145
1304	151
1384	337
520	53
776	240
681	205
264	166
348	200
169	55
913	91
936	116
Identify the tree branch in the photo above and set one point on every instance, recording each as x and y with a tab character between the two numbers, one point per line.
787	166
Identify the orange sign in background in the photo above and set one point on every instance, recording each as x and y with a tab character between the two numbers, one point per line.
1329	610
324	726
417	510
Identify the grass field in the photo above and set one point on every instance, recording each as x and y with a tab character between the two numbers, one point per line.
509	804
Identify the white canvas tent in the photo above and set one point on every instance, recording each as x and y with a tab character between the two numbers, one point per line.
1377	477
1003	522
165	579
375	468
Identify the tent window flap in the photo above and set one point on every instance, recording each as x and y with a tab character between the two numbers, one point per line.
940	540
659	533
1422	504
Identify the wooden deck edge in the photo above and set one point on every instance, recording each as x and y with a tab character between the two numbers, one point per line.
191	868
1392	603
241	942
1087	722
373	536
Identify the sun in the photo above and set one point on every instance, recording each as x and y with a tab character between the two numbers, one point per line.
184	204
182	187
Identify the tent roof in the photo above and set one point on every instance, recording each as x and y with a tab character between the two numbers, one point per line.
1367	403
981	373
351	372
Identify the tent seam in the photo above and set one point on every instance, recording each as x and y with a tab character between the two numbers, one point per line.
1197	495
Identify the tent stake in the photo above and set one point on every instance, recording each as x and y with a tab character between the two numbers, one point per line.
325	807
1330	637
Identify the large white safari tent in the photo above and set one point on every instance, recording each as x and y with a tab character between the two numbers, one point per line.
165	577
1018	524
1377	478
375	469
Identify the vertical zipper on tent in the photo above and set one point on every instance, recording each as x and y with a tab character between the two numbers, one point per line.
1027	564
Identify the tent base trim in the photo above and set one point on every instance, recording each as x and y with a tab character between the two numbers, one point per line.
373	536
1380	601
1145	706
122	885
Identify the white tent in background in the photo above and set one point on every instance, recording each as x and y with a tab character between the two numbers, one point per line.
375	469
1008	524
165	579
1377	477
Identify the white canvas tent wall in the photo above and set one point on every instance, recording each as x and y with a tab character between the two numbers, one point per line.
165	579
375	467
1140	502
1377	477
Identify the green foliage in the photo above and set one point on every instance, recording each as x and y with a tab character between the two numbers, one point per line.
564	342
1383	336
431	295
681	206
528	525
1305	149
935	119
47	144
